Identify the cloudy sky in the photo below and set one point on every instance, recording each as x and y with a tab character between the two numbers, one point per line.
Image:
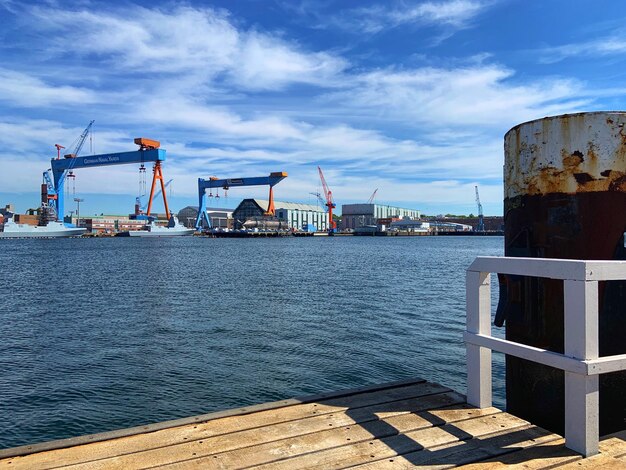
412	98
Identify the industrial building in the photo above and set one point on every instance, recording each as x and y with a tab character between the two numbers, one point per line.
219	217
409	225
448	226
490	223
297	216
110	224
360	215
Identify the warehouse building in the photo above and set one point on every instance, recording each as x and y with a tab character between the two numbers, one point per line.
297	216
219	217
359	215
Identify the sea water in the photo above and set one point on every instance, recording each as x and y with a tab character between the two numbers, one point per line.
107	333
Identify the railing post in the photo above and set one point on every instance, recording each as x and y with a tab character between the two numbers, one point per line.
581	391
478	308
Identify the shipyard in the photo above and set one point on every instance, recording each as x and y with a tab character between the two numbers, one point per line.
312	235
251	216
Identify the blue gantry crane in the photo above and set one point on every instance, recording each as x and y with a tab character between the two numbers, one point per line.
149	151
203	184
50	194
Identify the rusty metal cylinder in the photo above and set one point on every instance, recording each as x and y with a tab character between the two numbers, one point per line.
565	197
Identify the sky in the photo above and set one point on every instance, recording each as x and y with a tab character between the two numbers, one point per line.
409	98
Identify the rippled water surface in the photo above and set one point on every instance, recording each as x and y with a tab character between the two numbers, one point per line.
100	334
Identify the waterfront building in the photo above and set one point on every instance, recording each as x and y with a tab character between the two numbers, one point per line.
408	225
359	215
109	224
297	216
447	226
104	223
491	223
220	217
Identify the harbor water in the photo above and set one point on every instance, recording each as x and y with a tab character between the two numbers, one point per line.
108	333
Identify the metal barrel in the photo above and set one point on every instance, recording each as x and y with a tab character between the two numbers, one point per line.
565	197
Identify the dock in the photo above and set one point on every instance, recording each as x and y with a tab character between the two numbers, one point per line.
405	424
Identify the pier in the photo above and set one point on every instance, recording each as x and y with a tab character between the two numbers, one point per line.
397	425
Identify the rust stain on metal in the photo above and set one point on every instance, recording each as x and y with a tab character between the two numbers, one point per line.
565	196
567	154
572	160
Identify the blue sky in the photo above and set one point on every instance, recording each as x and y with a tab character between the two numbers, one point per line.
412	98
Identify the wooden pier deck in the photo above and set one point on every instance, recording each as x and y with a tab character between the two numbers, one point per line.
401	425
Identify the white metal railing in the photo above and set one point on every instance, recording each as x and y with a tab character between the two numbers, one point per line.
580	362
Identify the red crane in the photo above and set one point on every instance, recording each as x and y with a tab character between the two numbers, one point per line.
329	203
59	147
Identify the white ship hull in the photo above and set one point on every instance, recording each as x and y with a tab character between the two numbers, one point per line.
164	232
175	229
52	230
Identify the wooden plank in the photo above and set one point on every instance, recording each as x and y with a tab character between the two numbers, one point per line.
405	443
386	399
465	452
597	462
478	308
147	428
582	393
530	353
614	445
355	445
604	365
578	270
536	267
540	455
551	454
270	439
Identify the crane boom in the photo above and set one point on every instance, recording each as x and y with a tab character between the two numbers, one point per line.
371	199
481	223
81	141
319	198
330	204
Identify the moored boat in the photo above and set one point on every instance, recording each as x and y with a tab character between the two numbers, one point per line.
173	229
53	229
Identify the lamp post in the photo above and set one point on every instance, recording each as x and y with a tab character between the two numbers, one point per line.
78	201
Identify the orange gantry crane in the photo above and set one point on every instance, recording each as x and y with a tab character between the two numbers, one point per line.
330	204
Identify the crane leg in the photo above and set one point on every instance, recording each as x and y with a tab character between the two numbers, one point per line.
271	210
158	175
167	209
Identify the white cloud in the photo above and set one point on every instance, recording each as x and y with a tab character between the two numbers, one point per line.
455	12
25	90
201	41
266	63
216	94
461	97
450	13
607	46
